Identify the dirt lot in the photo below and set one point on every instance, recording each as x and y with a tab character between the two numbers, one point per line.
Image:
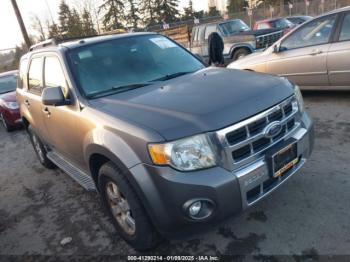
307	216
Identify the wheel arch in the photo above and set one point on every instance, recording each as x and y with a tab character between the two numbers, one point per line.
235	48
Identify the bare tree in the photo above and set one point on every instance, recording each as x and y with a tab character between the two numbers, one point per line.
37	25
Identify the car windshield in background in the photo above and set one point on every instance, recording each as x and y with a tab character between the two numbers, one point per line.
281	23
127	63
8	83
234	27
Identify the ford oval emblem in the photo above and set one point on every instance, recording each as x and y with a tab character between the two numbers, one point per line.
273	129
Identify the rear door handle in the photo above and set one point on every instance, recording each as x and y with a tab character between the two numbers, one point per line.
46	111
316	52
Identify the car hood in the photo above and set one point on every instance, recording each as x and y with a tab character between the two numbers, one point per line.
207	100
9	97
245	62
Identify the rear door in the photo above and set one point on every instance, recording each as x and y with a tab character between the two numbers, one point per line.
339	55
303	54
32	98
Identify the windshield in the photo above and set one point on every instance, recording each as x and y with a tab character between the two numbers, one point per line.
132	62
234	27
8	83
281	23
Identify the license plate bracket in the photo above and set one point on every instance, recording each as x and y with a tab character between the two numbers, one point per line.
283	158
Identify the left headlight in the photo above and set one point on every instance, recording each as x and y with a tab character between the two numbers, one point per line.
299	98
10	105
187	154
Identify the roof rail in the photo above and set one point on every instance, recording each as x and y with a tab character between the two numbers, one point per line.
43	44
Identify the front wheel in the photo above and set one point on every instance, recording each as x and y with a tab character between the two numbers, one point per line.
238	54
124	207
40	149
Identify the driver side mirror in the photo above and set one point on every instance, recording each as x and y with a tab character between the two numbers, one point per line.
276	49
53	96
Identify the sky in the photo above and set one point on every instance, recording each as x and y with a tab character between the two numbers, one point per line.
10	34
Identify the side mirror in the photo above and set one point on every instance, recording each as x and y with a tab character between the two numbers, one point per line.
276	49
53	96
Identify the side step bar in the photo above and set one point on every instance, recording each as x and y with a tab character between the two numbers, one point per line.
78	175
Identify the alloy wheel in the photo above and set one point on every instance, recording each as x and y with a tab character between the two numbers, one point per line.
120	208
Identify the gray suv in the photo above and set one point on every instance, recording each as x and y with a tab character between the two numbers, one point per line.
172	147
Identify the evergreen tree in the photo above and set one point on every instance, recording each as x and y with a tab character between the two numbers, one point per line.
167	10
114	14
133	13
213	11
188	11
147	10
75	28
87	24
235	6
64	15
54	31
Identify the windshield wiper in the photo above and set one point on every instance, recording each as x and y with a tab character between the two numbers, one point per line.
171	76
117	89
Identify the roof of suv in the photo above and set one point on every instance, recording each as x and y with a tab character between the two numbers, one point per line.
74	43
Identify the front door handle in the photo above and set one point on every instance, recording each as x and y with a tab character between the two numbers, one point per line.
27	103
46	111
316	52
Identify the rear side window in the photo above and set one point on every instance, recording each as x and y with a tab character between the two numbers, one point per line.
210	29
22	78
345	30
35	75
54	75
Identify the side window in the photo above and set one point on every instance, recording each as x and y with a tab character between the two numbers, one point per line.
22	78
210	29
35	75
345	30
53	74
316	32
263	26
201	33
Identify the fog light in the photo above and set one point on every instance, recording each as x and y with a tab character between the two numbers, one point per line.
195	208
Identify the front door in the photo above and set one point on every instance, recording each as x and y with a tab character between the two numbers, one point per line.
62	122
303	55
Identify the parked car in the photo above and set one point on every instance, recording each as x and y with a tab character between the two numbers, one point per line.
9	111
299	19
172	147
239	39
275	23
313	56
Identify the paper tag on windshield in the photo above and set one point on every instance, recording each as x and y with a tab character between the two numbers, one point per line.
163	42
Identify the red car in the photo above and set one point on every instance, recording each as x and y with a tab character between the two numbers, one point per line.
9	111
276	23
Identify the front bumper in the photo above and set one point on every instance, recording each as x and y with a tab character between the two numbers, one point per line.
165	190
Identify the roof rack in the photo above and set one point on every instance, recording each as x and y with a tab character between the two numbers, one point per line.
43	44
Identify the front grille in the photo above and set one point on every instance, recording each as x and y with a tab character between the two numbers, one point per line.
267	40
249	137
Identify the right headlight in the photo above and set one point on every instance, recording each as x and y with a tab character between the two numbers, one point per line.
186	154
299	98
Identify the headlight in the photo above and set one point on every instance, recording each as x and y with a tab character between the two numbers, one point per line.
299	98
186	154
10	105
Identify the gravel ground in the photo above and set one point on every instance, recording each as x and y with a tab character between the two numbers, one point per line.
308	216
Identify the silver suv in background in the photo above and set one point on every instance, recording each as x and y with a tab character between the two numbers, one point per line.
239	39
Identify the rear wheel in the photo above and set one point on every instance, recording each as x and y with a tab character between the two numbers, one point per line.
241	52
40	149
124	207
7	127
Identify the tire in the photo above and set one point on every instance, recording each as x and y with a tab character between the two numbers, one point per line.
126	210
241	52
7	127
40	149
